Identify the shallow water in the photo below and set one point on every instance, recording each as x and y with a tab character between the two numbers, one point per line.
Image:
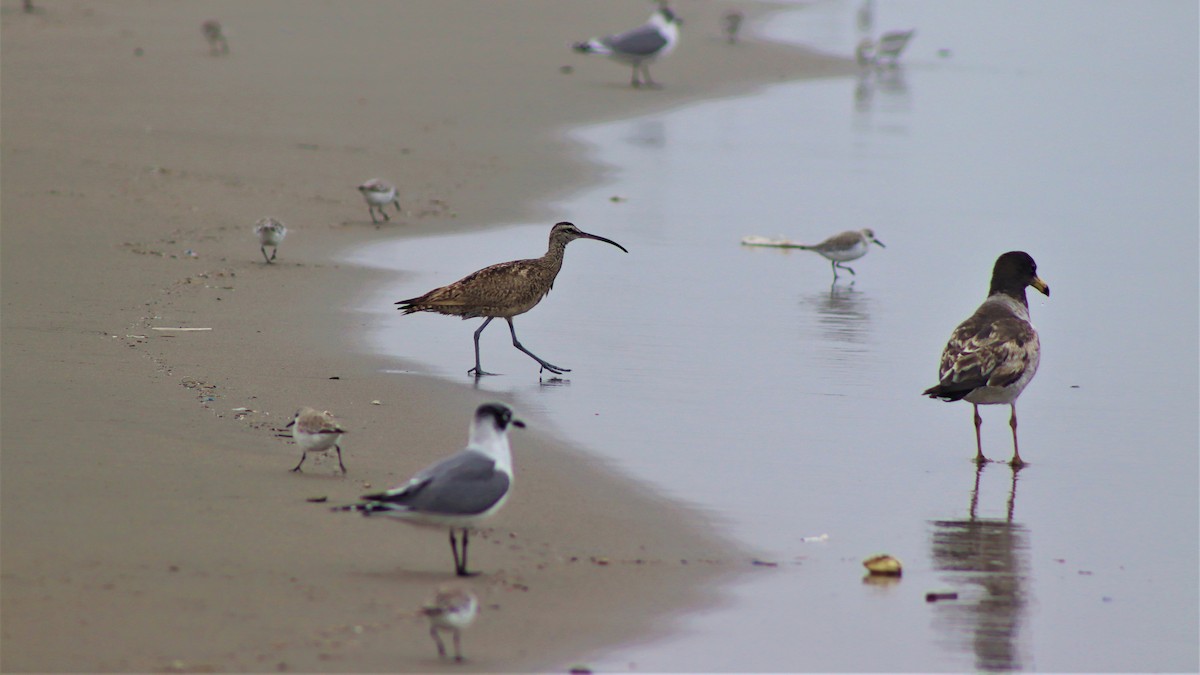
740	380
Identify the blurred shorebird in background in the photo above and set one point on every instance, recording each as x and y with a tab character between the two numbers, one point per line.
640	46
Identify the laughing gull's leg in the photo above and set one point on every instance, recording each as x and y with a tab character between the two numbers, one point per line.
459	566
463	572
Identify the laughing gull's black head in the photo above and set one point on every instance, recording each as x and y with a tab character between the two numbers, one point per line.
498	414
668	15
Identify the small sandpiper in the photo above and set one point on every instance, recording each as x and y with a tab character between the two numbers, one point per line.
453	608
270	232
844	247
379	193
316	431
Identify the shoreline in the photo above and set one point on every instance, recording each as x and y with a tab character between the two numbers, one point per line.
125	212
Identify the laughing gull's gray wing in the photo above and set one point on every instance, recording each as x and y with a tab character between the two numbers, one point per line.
642	41
464	484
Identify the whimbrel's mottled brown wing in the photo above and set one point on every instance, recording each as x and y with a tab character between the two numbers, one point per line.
502	290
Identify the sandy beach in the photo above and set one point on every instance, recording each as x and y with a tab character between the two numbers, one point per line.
150	521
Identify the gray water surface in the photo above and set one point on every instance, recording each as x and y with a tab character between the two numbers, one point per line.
740	380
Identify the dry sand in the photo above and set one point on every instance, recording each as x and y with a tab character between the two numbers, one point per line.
146	525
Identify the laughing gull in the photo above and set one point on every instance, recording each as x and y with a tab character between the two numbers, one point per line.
460	491
270	232
453	608
316	431
640	46
993	355
844	247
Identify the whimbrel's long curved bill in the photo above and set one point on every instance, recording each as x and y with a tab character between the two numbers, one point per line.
585	235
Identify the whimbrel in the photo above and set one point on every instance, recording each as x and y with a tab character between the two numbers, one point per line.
379	193
453	608
270	232
993	355
504	291
844	247
641	46
460	491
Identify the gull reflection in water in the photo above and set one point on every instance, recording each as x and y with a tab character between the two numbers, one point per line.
986	560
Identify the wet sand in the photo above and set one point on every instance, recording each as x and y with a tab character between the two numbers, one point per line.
148	522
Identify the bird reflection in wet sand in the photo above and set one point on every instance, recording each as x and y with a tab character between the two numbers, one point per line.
986	560
842	314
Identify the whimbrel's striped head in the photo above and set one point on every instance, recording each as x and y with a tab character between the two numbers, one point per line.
563	233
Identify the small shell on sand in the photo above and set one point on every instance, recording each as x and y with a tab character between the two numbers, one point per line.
883	564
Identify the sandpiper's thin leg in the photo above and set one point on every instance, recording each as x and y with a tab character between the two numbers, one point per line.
833	263
979	458
1012	422
263	248
635	82
517	343
458	645
302	458
433	631
478	369
396	203
339	454
848	269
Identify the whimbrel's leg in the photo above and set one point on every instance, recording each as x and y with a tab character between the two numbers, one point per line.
339	454
302	458
263	248
517	343
433	631
1012	422
979	458
635	82
478	369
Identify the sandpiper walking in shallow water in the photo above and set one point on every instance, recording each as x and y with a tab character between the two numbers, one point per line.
504	290
993	355
844	247
270	232
640	46
379	193
316	431
460	491
453	608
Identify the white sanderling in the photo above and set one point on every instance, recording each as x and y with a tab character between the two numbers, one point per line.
993	355
641	46
844	247
270	232
316	431
460	491
453	608
379	193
